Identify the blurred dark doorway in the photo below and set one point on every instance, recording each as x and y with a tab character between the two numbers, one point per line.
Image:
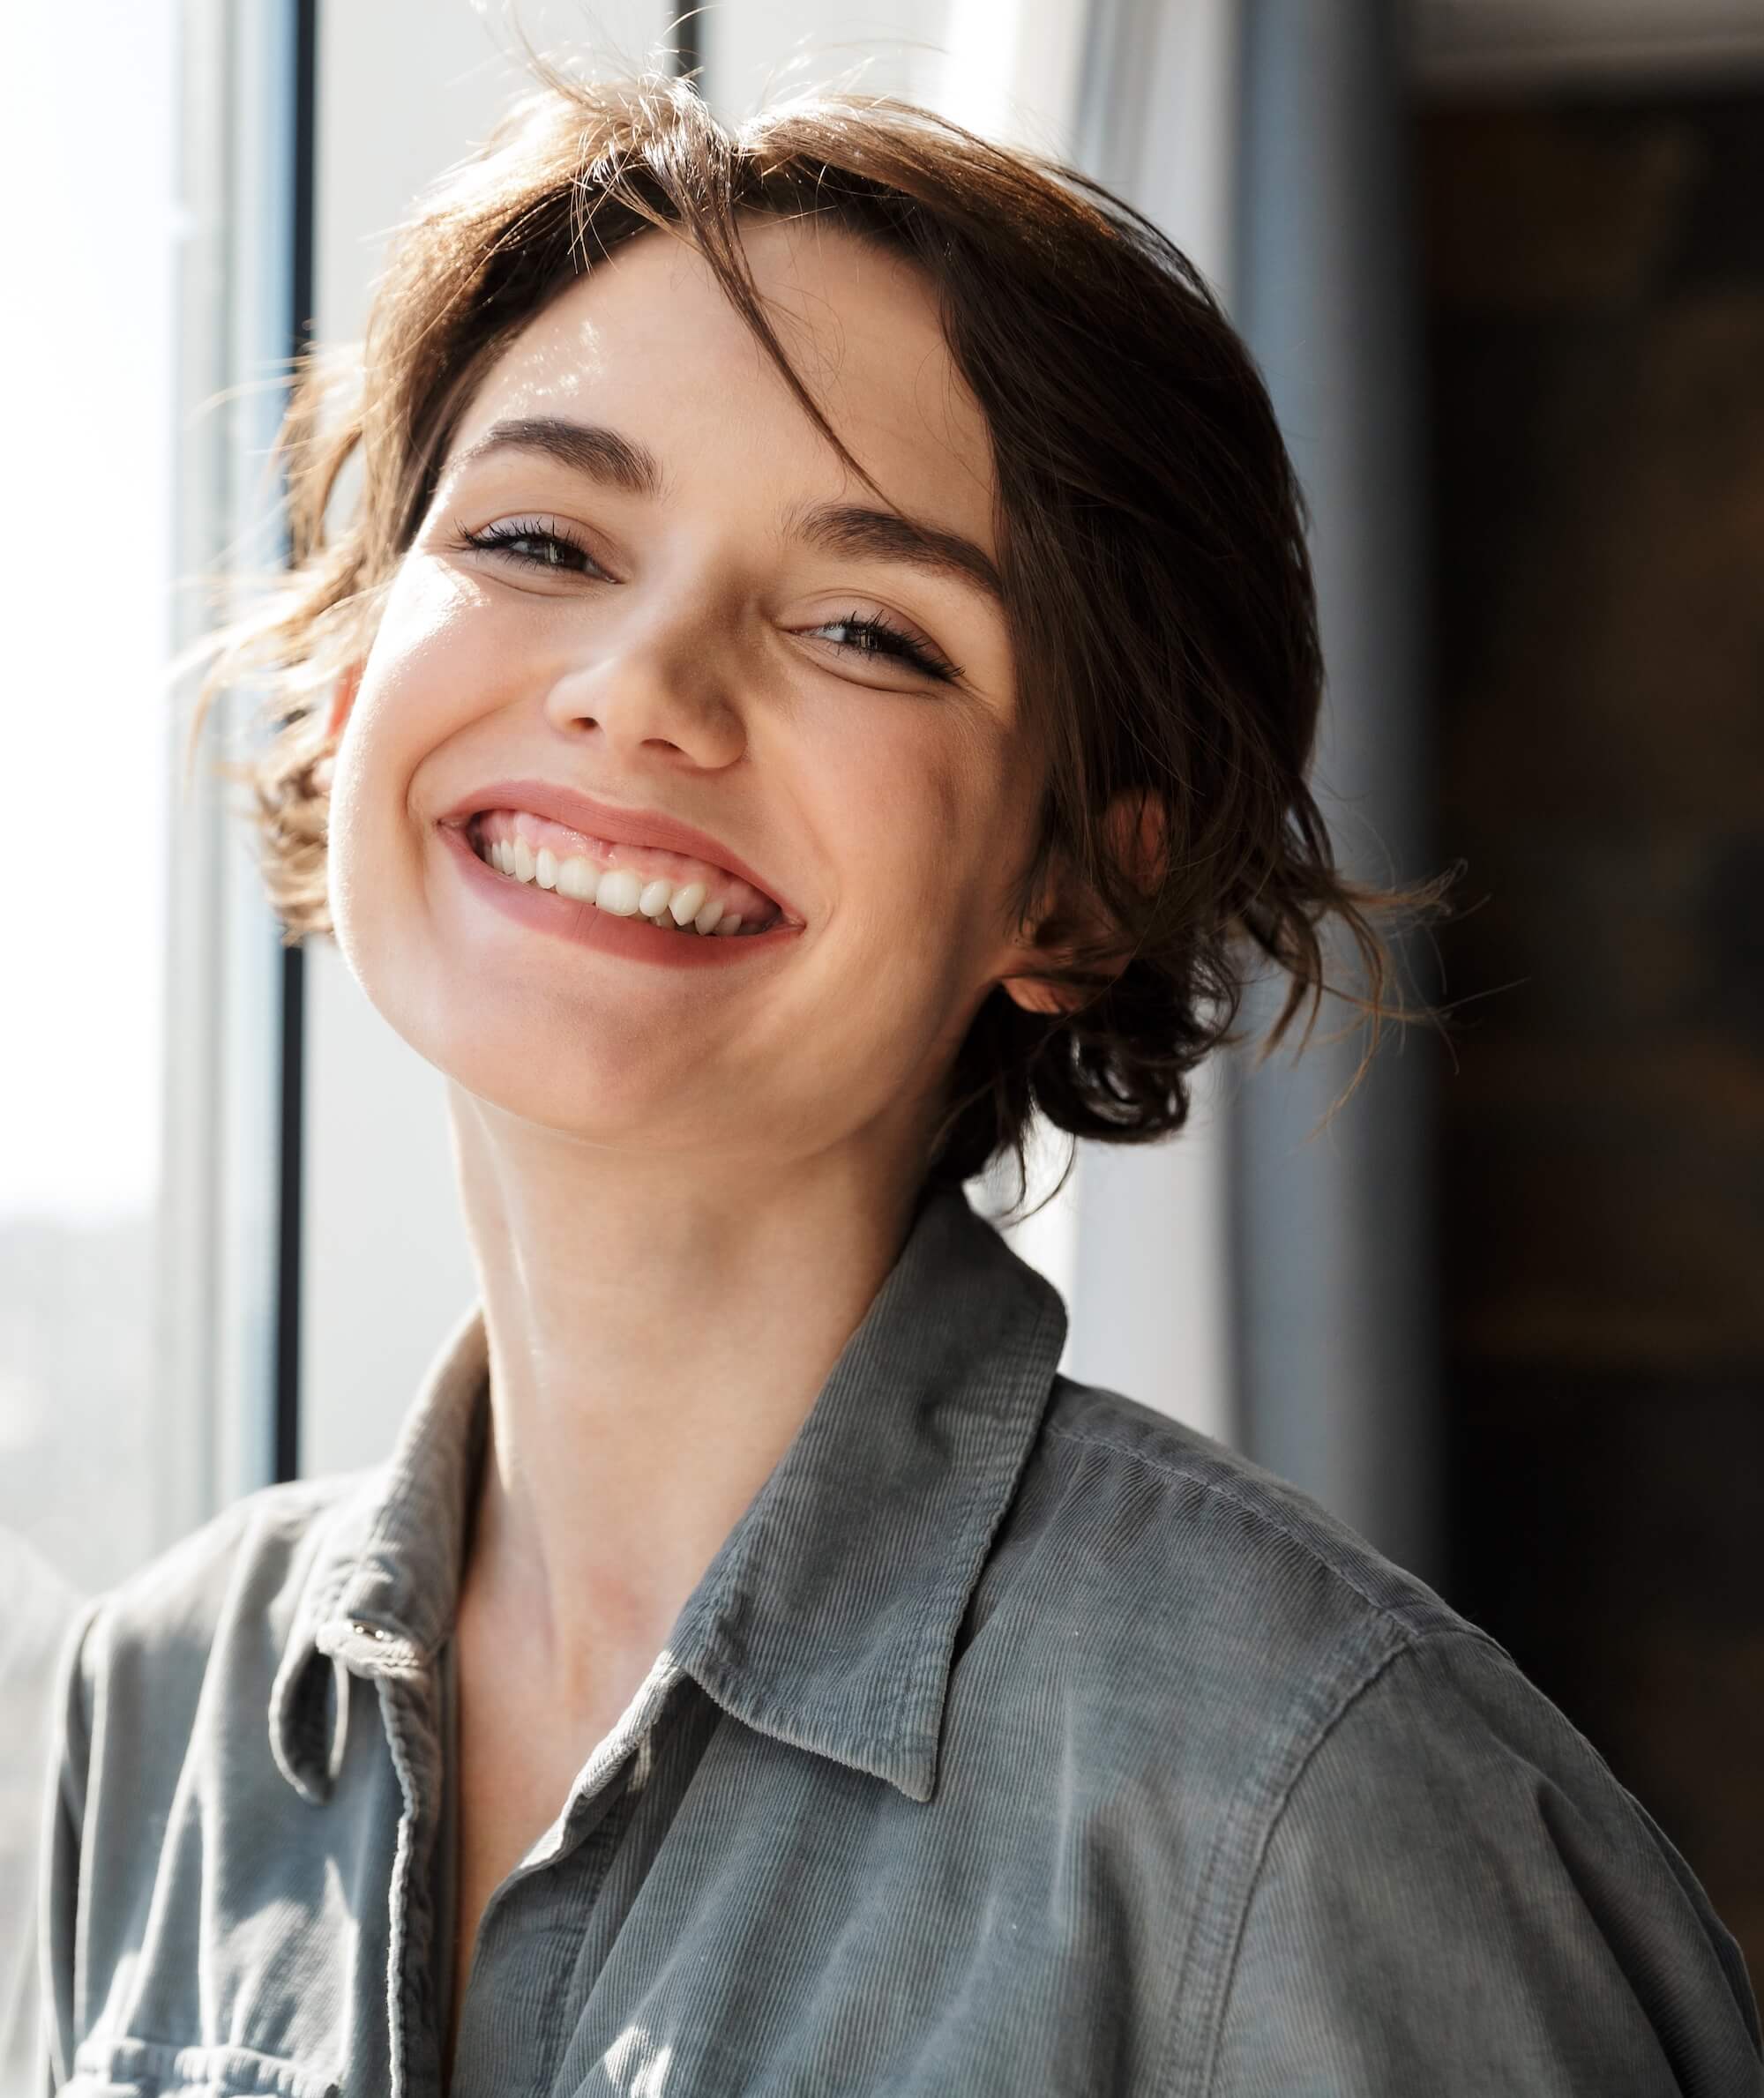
1595	343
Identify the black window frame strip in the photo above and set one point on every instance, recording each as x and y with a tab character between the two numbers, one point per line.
291	1130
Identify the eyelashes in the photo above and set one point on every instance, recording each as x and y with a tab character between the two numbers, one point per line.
871	636
538	543
514	537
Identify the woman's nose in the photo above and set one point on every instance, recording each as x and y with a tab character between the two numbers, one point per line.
659	681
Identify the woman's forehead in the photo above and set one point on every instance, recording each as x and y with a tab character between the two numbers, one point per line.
649	343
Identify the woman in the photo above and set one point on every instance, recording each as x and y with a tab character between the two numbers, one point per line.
821	662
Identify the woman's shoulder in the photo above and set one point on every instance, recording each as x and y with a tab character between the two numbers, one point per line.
233	1582
1389	1803
1205	1541
1207	1614
1217	1622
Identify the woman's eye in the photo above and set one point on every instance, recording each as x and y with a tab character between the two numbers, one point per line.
537	542
535	545
866	635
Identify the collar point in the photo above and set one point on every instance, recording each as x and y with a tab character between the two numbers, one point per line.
913	1772
309	1726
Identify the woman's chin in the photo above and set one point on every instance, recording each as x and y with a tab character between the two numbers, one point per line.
598	1101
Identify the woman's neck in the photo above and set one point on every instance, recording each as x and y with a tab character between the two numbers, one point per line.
654	1344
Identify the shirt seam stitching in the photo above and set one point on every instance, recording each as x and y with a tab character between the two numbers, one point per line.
1395	1614
1369	1669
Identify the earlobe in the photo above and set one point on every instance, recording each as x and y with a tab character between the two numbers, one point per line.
1134	831
1035	994
1038	993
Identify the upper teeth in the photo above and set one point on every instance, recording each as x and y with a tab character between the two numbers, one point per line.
619	890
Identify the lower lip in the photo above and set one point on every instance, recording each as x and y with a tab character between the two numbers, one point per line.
568	918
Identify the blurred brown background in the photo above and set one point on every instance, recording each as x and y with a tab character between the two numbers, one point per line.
1593	273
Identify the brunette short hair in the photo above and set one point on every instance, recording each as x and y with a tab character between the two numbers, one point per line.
1151	532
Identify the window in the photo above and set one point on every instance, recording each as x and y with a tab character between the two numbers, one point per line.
149	144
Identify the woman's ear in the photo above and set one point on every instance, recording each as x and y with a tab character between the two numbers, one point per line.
342	700
1133	832
1136	825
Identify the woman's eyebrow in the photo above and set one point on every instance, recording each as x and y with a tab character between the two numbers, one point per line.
887	535
584	447
862	533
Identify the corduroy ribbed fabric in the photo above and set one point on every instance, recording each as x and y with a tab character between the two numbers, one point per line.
1018	1739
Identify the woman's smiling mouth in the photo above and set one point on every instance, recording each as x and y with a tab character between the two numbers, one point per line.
654	843
614	918
668	888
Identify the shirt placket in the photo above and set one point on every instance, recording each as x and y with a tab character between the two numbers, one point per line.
404	1677
534	1930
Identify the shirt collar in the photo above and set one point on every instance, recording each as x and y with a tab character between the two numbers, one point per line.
828	1616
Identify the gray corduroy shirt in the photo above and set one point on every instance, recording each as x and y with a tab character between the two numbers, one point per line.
1018	1739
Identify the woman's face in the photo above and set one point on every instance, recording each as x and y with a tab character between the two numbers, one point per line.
647	578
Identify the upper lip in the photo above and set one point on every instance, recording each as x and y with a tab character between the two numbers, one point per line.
616	826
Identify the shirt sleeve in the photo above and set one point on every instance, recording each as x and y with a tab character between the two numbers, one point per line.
1458	1897
63	1827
